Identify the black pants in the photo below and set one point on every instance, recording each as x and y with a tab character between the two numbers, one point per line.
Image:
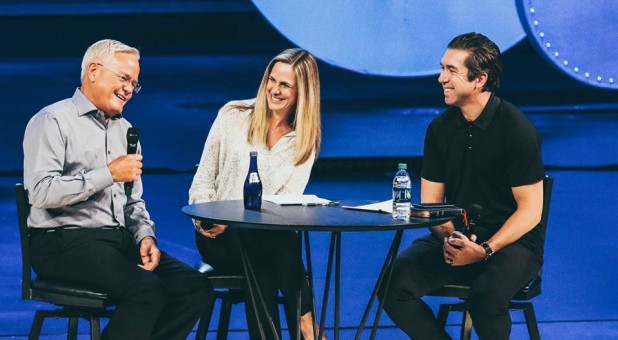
421	269
274	256
162	304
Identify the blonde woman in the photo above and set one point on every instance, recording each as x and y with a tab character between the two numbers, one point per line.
283	125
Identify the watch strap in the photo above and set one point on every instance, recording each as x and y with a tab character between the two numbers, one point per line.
488	251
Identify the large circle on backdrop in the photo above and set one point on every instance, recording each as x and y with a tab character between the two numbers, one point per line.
401	38
578	37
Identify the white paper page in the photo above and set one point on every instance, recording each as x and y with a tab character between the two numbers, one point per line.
296	199
385	207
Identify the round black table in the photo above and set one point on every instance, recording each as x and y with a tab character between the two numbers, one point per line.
334	219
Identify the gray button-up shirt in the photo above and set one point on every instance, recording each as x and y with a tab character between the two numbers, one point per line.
67	147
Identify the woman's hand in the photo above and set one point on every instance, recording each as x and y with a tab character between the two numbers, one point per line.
217	229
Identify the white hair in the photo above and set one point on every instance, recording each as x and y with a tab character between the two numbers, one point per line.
103	50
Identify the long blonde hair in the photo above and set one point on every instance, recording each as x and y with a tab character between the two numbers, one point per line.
305	116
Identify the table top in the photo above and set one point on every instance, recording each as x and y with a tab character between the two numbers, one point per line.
311	218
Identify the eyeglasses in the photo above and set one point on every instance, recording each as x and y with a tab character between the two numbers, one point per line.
123	79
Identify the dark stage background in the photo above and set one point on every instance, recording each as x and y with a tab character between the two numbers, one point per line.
197	55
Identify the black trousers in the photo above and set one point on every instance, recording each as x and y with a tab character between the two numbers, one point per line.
421	269
274	256
162	304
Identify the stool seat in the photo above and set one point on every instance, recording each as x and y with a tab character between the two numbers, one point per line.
69	293
76	300
230	289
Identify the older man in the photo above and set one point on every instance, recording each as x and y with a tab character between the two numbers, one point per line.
84	227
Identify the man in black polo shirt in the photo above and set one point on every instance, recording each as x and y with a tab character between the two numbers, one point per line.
484	151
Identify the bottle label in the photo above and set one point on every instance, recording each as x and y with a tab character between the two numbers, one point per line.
254	178
402	195
401	182
401	189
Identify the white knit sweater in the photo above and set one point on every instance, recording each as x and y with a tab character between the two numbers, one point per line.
225	161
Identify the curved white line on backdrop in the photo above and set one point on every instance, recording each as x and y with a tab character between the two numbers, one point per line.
401	38
579	38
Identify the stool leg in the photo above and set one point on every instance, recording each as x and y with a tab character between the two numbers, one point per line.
72	334
443	314
37	325
466	326
224	318
533	328
95	328
202	328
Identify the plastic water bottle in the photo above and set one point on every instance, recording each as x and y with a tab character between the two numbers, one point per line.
252	191
402	193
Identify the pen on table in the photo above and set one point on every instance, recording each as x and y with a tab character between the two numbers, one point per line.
313	204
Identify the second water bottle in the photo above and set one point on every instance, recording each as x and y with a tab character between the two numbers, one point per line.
402	193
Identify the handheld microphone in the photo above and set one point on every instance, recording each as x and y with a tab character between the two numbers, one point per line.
474	215
132	139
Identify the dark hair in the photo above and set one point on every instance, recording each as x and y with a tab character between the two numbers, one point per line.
483	57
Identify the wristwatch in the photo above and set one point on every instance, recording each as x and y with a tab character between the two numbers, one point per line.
488	251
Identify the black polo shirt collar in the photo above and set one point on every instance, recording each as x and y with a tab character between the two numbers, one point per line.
486	116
